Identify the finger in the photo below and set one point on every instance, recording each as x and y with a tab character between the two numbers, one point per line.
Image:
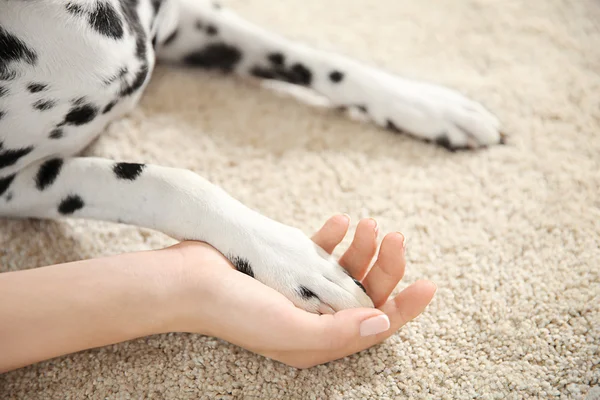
406	306
329	334
357	259
388	270
332	232
343	332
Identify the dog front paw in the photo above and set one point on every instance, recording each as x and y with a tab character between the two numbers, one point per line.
441	115
426	111
286	260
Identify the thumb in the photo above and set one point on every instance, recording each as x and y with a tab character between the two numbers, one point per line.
347	327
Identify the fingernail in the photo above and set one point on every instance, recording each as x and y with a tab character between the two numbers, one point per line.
375	325
374	225
346	216
402	238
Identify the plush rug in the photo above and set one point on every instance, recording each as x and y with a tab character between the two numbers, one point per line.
510	234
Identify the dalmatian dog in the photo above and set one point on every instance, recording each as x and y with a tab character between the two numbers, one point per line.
70	67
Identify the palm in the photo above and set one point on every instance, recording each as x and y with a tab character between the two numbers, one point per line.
251	315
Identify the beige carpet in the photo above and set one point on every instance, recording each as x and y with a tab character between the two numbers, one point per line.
511	235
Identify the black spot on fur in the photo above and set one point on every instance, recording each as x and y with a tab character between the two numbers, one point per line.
392	127
105	20
5	183
276	58
140	48
74	9
336	76
138	82
9	196
297	73
360	285
70	204
80	114
156	6
171	38
306	293
242	265
199	25
13	49
122	72
219	56
128	171
129	8
263	73
302	75
48	173
2	114
212	30
444	141
43	105
56	133
286	75
7	74
118	75
109	106
10	157
79	101
362	108
36	87
3	91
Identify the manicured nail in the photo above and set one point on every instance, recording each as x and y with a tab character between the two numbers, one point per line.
375	325
402	239
374	225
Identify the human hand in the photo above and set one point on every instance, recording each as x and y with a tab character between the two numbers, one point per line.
219	301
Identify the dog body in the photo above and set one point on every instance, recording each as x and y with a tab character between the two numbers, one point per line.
67	69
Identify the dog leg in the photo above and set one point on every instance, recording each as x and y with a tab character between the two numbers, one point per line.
183	205
203	34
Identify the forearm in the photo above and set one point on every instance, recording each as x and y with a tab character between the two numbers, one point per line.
60	309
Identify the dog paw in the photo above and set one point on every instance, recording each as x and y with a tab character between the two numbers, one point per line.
426	111
441	115
286	260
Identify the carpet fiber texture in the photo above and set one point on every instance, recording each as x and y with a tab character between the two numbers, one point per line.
510	234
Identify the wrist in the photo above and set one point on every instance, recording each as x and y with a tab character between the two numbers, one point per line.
188	294
163	283
153	282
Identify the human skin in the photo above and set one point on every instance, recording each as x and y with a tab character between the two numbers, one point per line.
191	287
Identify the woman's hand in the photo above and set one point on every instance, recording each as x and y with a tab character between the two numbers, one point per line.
219	301
60	309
